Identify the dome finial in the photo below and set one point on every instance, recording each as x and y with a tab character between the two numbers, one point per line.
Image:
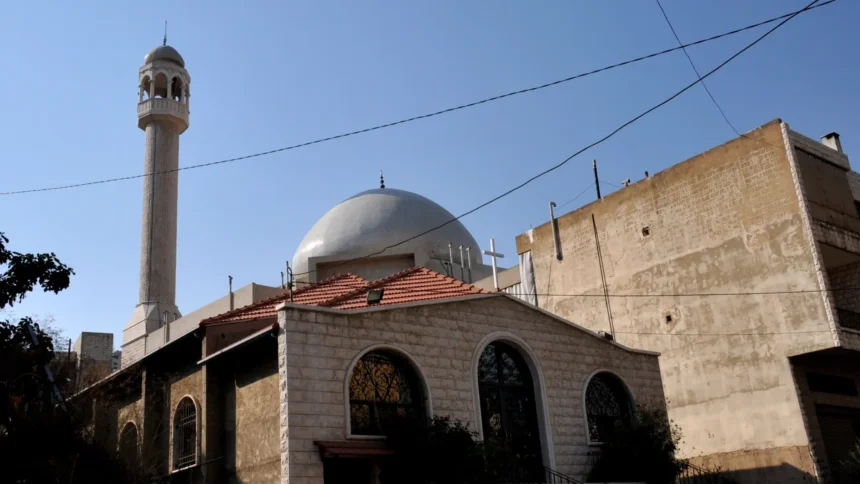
381	180
165	33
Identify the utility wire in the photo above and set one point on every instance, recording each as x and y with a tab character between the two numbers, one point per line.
693	65
579	195
420	117
586	148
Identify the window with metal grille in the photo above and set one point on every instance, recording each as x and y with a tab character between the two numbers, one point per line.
384	391
185	434
607	405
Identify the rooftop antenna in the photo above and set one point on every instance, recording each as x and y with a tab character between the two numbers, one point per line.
381	180
469	259
165	33
230	283
290	280
462	269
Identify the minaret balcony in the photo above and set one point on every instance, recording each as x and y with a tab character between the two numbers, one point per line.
158	109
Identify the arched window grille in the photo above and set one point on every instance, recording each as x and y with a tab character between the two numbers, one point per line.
607	404
384	390
185	434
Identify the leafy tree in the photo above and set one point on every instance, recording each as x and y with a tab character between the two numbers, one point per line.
850	466
40	441
641	448
24	271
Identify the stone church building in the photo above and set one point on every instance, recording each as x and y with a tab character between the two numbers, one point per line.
299	384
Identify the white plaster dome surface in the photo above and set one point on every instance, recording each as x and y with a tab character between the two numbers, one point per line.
378	218
164	53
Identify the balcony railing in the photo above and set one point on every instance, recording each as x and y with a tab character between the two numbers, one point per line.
848	319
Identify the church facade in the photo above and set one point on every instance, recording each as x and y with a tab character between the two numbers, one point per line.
289	392
300	384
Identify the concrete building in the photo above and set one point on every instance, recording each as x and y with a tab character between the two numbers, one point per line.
741	266
280	391
93	358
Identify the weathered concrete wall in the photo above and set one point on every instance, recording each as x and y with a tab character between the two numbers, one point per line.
257	424
316	349
725	221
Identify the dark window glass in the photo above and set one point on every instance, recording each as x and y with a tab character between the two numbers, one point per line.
606	405
831	384
383	390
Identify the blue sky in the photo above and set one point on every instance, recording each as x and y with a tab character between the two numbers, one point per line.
272	74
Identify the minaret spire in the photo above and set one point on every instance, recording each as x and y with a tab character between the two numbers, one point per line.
165	33
381	180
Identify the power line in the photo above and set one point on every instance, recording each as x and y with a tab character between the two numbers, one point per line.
420	117
579	195
693	65
586	148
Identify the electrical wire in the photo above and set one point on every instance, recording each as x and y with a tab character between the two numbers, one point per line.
420	117
579	195
693	65
586	148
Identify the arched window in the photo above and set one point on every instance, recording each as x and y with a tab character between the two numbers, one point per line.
176	89
185	434
145	86
383	390
160	85
508	408
607	404
128	447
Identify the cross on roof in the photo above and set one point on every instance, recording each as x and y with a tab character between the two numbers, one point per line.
492	253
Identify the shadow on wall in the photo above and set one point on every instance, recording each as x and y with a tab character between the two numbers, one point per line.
781	474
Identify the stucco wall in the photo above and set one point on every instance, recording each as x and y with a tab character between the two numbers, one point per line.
257	424
316	349
725	221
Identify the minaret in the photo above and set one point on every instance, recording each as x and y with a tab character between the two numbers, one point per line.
162	113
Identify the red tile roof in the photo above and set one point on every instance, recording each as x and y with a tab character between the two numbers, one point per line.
311	295
348	291
412	285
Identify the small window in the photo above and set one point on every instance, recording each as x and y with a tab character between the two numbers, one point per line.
185	434
668	318
607	405
646	231
837	385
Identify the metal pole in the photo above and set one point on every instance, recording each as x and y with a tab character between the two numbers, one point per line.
596	180
603	279
469	259
451	258
462	268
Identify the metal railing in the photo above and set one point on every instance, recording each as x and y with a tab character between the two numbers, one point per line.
553	477
696	475
848	319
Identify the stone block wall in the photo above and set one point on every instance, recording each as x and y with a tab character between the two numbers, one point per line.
726	221
316	349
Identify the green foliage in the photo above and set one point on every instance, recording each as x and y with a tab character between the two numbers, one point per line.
440	450
851	465
641	449
39	442
24	271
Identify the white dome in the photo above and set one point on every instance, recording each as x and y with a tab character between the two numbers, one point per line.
373	220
